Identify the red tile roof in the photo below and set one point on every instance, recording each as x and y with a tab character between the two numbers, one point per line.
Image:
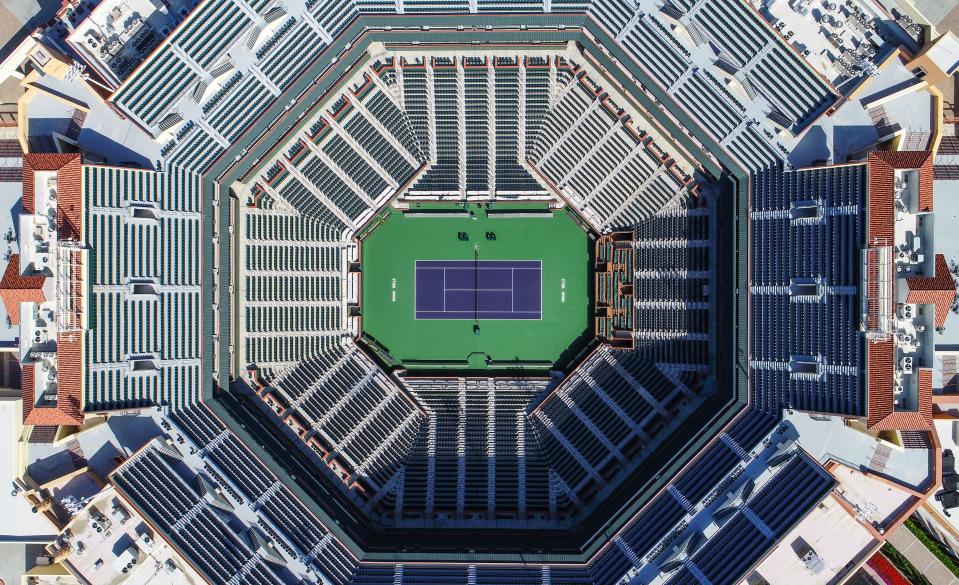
882	167
48	161
68	409
881	201
880	366
16	288
70	374
70	201
69	189
938	290
881	415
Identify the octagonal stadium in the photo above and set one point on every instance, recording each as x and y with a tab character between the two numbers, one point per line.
470	327
478	292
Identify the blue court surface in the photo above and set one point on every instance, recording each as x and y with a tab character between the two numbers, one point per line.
479	289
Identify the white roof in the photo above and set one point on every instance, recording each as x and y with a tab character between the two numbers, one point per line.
945	52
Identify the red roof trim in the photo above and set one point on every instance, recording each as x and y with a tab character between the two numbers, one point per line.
47	161
881	413
882	167
70	201
69	189
69	410
938	290
16	288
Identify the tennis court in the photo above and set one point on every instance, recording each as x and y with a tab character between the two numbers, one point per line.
469	287
479	289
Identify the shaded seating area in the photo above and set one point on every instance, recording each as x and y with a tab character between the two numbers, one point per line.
614	288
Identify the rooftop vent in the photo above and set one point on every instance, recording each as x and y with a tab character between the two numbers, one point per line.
805	210
149	287
142	211
804	365
143	366
804	287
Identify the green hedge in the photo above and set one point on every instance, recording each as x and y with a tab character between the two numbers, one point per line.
905	567
935	547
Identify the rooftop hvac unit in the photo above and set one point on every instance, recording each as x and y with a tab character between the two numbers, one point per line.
906	364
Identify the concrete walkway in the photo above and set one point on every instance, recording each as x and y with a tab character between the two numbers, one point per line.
920	557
